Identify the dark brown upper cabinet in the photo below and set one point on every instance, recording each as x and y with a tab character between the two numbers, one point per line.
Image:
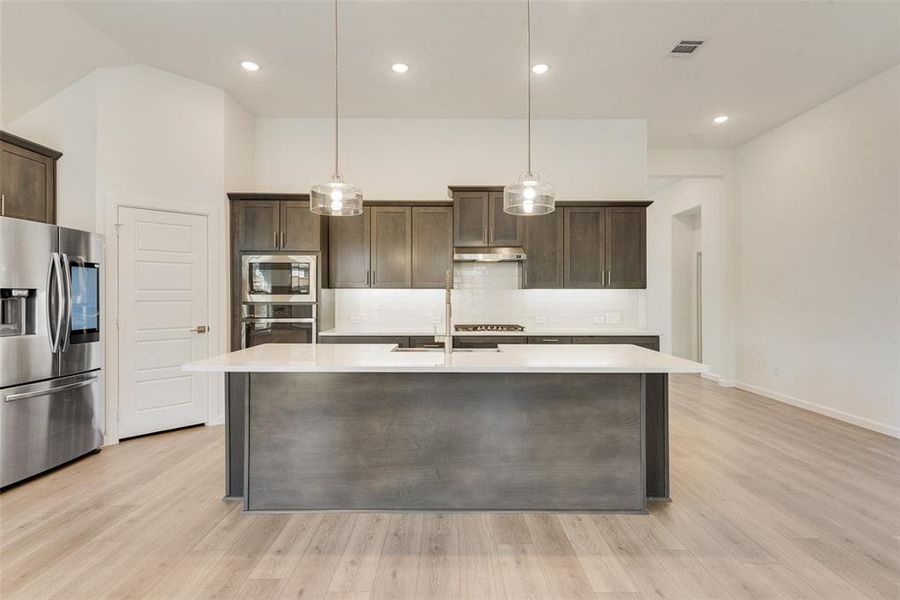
503	229
479	219
470	218
605	247
432	245
256	225
262	223
348	251
626	243
300	229
27	179
544	251
585	247
391	253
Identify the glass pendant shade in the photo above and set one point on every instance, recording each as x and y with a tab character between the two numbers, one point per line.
529	196
336	199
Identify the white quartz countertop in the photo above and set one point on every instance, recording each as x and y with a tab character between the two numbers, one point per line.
511	358
529	331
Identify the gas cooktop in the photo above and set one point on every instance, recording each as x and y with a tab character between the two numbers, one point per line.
489	327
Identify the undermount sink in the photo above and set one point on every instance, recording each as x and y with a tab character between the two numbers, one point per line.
455	350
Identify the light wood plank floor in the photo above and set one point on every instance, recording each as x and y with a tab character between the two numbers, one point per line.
770	502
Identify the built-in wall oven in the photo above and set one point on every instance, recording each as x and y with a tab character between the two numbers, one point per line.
278	278
278	324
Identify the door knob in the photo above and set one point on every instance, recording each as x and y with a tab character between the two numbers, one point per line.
200	329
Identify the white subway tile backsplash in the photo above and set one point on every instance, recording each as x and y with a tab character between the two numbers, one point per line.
489	294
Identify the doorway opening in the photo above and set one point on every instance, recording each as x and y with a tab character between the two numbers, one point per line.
687	284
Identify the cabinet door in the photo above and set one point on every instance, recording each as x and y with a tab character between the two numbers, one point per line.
257	225
651	342
27	185
391	247
432	246
300	229
544	251
486	341
348	254
585	247
626	247
550	339
503	229
470	218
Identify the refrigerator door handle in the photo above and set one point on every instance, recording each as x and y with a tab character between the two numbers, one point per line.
63	344
51	390
57	319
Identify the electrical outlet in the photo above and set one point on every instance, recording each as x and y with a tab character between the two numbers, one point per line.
540	320
599	319
614	317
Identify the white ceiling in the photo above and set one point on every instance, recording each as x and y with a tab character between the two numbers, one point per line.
764	63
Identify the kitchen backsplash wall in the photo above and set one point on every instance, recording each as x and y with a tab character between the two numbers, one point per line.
488	293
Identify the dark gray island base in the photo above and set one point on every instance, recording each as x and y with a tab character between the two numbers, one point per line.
447	441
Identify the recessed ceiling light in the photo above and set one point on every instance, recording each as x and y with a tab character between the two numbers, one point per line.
400	67
720	119
540	69
249	65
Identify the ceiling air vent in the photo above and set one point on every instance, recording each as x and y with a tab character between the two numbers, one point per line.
686	47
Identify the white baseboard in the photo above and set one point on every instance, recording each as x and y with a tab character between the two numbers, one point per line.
718	379
823	410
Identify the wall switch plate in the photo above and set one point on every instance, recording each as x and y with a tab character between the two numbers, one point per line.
614	317
540	320
599	319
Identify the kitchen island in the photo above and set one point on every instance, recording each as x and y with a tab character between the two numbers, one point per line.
367	427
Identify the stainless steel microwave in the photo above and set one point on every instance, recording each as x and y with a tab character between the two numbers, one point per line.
278	278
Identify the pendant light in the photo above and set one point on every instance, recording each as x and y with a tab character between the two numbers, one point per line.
529	195
336	198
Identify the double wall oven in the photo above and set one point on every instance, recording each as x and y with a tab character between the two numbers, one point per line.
278	294
51	353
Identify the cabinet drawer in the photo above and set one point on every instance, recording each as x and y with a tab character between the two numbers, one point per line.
650	342
401	341
487	341
550	339
424	341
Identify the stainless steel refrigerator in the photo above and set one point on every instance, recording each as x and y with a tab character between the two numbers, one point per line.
51	349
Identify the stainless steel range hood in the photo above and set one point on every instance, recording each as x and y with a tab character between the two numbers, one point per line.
489	254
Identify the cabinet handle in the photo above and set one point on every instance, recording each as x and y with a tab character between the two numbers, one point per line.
2	204
275	240
367	278
550	340
602	277
282	239
609	277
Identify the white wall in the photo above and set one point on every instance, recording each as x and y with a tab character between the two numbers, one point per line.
416	159
709	194
820	284
68	122
142	136
686	243
705	179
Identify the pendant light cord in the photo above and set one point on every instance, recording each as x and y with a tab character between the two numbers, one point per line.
529	85
337	173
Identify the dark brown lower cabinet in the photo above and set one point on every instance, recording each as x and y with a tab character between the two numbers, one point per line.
550	339
424	341
401	341
651	342
486	341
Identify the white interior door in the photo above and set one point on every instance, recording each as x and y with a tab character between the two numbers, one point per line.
163	299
